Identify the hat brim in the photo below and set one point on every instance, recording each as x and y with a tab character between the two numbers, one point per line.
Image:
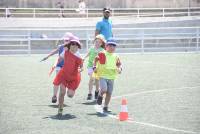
103	40
107	10
79	44
112	44
66	39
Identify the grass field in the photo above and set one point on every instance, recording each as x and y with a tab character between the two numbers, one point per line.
162	91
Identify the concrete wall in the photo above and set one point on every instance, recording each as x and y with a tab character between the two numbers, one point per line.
102	3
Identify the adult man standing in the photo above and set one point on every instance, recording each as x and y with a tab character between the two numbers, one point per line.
105	25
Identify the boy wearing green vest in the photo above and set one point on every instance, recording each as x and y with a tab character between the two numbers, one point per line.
109	66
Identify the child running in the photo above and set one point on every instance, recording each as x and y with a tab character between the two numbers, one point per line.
69	76
109	66
99	45
66	39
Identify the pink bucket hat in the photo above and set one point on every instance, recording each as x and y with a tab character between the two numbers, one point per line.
76	39
67	36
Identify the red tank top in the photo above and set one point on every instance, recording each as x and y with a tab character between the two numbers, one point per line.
71	65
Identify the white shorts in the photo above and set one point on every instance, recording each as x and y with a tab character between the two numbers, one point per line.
90	71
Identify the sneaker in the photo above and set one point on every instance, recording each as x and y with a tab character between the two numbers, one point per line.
99	100
60	111
89	97
105	110
54	99
96	94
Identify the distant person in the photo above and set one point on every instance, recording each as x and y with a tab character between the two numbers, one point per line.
61	6
105	26
81	7
7	12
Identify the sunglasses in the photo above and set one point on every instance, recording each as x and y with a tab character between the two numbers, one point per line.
74	43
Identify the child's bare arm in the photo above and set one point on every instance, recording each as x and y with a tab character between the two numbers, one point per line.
85	56
119	66
50	54
96	59
81	67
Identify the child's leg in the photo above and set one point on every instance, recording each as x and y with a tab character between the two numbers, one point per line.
54	97
90	84
103	90
97	88
107	99
110	84
61	96
55	88
70	93
97	85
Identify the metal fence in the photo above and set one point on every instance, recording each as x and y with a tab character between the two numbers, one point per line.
97	12
130	40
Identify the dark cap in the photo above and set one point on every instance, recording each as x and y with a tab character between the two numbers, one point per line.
106	9
111	41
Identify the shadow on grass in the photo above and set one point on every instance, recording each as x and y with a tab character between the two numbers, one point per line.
89	103
56	106
98	114
61	117
52	105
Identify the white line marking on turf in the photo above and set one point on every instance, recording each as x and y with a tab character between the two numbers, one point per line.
152	125
162	127
152	91
143	123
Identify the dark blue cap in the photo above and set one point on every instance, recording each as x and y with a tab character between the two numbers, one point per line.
111	41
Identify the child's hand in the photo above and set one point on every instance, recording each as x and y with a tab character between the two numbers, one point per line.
45	58
119	70
80	70
94	69
52	69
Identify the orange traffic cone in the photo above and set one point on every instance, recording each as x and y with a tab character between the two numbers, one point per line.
123	115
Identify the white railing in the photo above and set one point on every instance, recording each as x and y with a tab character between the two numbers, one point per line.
131	39
96	12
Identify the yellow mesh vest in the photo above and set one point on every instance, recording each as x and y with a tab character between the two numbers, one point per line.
108	70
